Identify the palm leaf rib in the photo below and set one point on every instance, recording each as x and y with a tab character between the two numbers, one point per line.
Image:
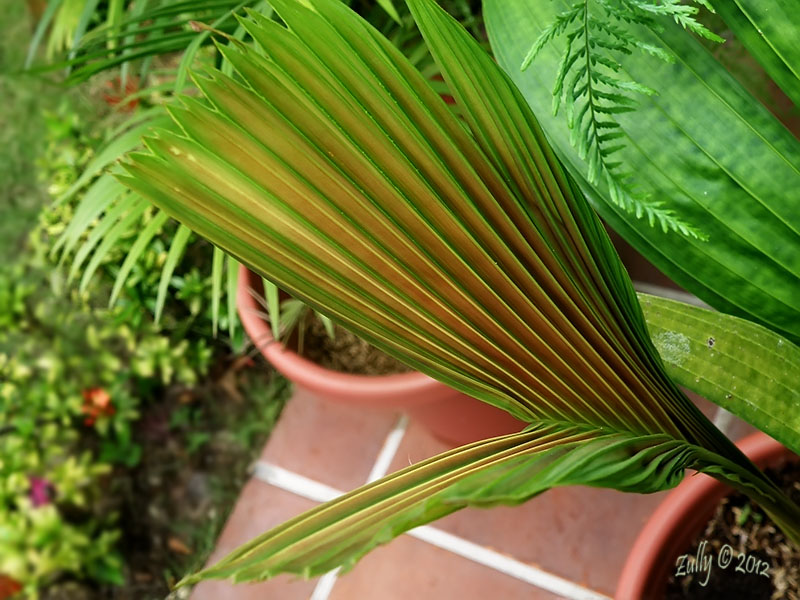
338	173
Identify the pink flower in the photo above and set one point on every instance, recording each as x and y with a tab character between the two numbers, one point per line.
40	491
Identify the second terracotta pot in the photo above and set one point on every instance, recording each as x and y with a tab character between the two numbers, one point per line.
449	415
680	519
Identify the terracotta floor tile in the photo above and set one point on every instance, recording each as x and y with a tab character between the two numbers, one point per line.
280	588
580	533
407	569
332	444
259	508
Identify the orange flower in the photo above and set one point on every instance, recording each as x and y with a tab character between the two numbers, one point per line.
8	587
96	403
116	93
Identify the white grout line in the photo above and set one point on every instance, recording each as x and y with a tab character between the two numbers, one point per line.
324	587
389	449
292	482
723	420
505	564
319	492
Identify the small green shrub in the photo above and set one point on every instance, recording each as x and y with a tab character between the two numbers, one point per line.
71	384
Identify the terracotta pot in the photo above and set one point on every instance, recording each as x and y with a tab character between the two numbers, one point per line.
450	415
680	519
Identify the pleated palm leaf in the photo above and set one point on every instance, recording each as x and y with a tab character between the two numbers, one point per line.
461	247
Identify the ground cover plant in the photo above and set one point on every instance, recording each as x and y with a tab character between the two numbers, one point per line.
466	249
105	424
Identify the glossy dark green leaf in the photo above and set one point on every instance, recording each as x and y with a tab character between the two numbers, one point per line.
769	31
705	147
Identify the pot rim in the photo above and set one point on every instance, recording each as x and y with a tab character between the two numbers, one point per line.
678	519
307	373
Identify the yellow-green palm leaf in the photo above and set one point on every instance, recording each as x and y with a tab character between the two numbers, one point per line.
461	247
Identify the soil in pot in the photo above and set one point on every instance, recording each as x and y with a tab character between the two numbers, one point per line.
346	352
739	530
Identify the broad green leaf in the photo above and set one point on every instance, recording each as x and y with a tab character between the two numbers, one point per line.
769	32
741	366
705	147
332	168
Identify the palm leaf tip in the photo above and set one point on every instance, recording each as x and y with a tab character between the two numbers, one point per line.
333	169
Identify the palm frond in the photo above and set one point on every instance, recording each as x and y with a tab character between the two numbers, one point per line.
505	470
99	37
464	249
142	31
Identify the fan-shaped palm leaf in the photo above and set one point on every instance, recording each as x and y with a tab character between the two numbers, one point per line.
464	249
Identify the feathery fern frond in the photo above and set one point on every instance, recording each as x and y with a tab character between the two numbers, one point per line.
589	85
